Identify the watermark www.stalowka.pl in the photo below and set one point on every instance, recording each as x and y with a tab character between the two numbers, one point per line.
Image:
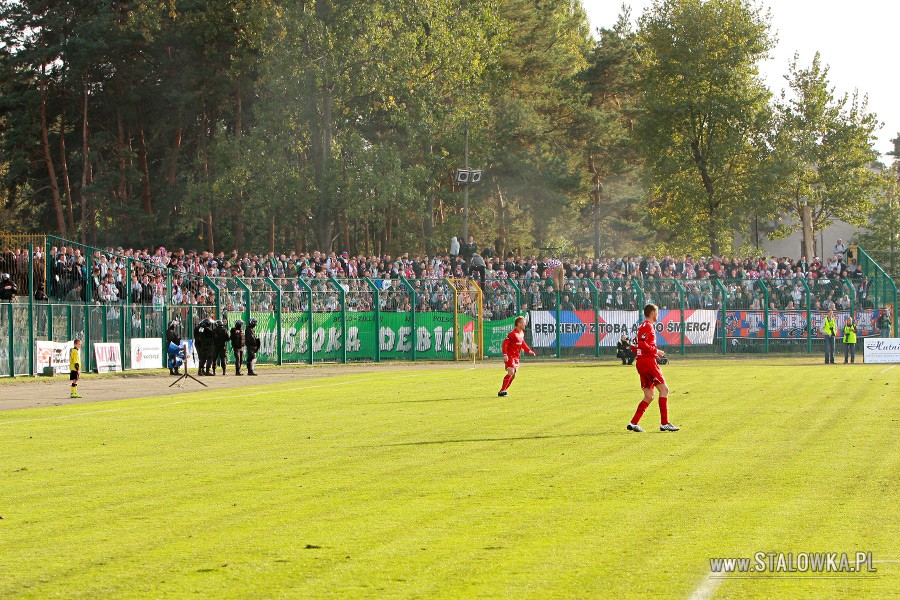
795	564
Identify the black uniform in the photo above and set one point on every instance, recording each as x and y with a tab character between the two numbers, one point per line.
204	340
624	352
237	345
252	348
221	346
8	289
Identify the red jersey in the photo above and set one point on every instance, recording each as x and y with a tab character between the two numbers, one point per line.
646	342
514	344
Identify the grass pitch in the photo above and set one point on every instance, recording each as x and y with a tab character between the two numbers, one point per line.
424	484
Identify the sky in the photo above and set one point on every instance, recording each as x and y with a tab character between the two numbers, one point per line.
856	39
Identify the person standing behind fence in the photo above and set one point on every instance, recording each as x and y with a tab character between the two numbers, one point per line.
479	267
829	329
884	324
558	274
237	345
849	340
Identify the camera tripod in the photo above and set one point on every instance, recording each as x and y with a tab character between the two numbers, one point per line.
181	380
187	375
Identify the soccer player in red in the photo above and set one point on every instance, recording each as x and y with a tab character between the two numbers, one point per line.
651	376
512	346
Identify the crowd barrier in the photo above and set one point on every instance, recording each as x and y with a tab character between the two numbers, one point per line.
305	321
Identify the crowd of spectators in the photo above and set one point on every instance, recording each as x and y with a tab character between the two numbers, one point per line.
157	277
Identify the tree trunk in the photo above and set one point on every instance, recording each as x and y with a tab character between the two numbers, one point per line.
711	204
239	224
366	239
239	207
809	236
211	232
428	225
596	195
51	170
87	177
324	223
64	164
172	172
122	190
501	220
145	172
272	232
713	235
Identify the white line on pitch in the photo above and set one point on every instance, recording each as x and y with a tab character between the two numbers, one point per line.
708	588
883	371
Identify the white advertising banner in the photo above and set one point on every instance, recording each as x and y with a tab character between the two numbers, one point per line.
146	353
53	354
191	358
108	356
881	350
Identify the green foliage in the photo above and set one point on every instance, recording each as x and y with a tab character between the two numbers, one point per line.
881	239
703	114
336	124
823	151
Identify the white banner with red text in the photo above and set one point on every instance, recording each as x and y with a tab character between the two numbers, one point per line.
146	353
577	328
108	356
53	354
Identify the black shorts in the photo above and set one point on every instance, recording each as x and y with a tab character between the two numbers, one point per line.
73	376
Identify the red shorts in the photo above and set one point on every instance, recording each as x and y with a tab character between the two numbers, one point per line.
512	363
650	374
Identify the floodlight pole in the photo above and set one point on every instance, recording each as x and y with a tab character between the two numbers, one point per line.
465	227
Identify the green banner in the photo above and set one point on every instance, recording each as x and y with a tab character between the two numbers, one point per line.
433	337
494	334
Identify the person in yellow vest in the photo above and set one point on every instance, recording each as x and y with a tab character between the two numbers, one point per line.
829	329
849	340
75	368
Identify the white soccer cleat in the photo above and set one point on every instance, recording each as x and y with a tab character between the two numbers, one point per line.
635	428
669	427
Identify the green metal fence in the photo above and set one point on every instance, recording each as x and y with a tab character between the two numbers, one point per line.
105	297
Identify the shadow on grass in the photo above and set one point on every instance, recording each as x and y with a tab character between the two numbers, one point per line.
497	439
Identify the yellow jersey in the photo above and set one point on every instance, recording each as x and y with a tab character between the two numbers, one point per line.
74	360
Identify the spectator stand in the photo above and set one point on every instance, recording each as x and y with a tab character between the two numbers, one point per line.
16	253
296	319
468	319
501	304
399	305
881	290
328	320
745	315
541	300
361	315
432	313
612	298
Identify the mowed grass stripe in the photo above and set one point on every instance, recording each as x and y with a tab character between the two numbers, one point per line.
539	494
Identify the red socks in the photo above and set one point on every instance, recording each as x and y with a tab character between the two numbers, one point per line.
664	410
507	381
639	412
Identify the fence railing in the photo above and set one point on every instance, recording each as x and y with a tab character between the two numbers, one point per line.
103	297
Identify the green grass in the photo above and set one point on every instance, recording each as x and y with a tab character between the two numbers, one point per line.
422	484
